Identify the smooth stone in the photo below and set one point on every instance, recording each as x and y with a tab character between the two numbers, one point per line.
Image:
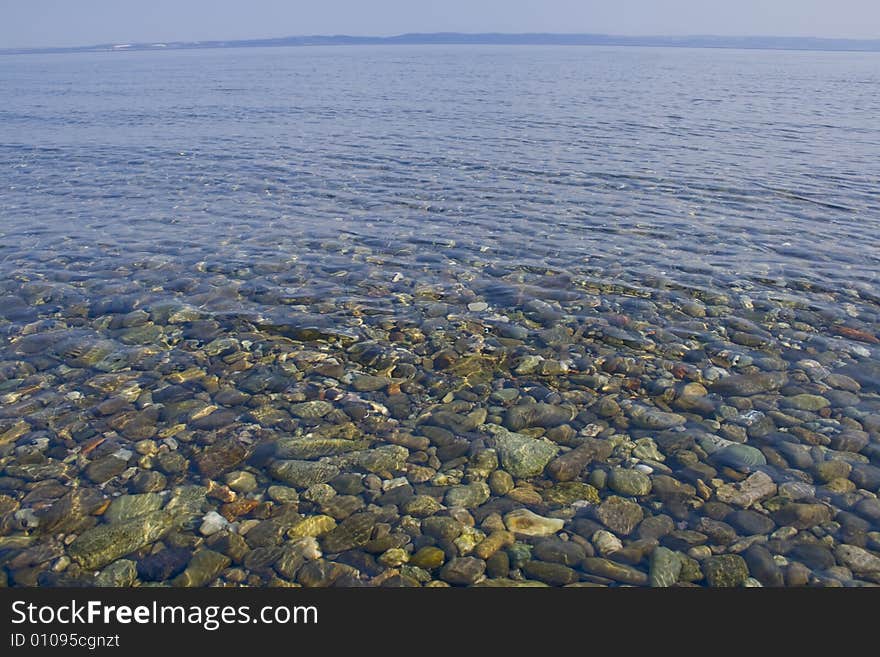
104	469
655	527
827	471
126	507
302	474
666	487
569	465
646	417
322	573
163	565
493	542
521	456
353	532
665	568
428	557
755	488
312	526
719	532
442	528
746	385
556	550
501	483
739	456
805	402
869	508
311	409
212	523
222	456
857	559
105	543
866	476
614	571
121	573
421	506
816	557
725	570
232	545
750	522
630	483
204	567
763	567
850	441
527	523
311	448
241	481
802	515
570	492
606	543
468	496
536	415
368	383
554	574
463	571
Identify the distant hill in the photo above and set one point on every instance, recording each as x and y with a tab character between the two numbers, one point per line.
457	38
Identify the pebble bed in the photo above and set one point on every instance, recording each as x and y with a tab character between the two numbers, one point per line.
521	429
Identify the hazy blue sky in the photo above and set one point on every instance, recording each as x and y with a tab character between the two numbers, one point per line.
83	22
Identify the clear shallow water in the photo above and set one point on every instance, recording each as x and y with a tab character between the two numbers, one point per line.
661	194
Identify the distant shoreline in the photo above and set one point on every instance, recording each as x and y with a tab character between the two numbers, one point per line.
456	38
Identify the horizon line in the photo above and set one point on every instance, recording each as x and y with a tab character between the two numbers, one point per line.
754	42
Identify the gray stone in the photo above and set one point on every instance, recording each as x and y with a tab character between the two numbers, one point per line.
620	515
463	571
857	559
866	476
615	571
755	488
521	456
646	417
629	482
536	415
468	496
665	568
763	567
120	573
745	385
738	456
556	550
750	522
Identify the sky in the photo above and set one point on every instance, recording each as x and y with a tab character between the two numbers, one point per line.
37	23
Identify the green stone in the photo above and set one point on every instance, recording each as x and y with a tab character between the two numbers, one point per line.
105	543
468	496
521	456
726	570
127	507
428	557
568	492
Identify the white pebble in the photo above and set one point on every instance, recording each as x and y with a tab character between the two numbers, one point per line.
212	523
